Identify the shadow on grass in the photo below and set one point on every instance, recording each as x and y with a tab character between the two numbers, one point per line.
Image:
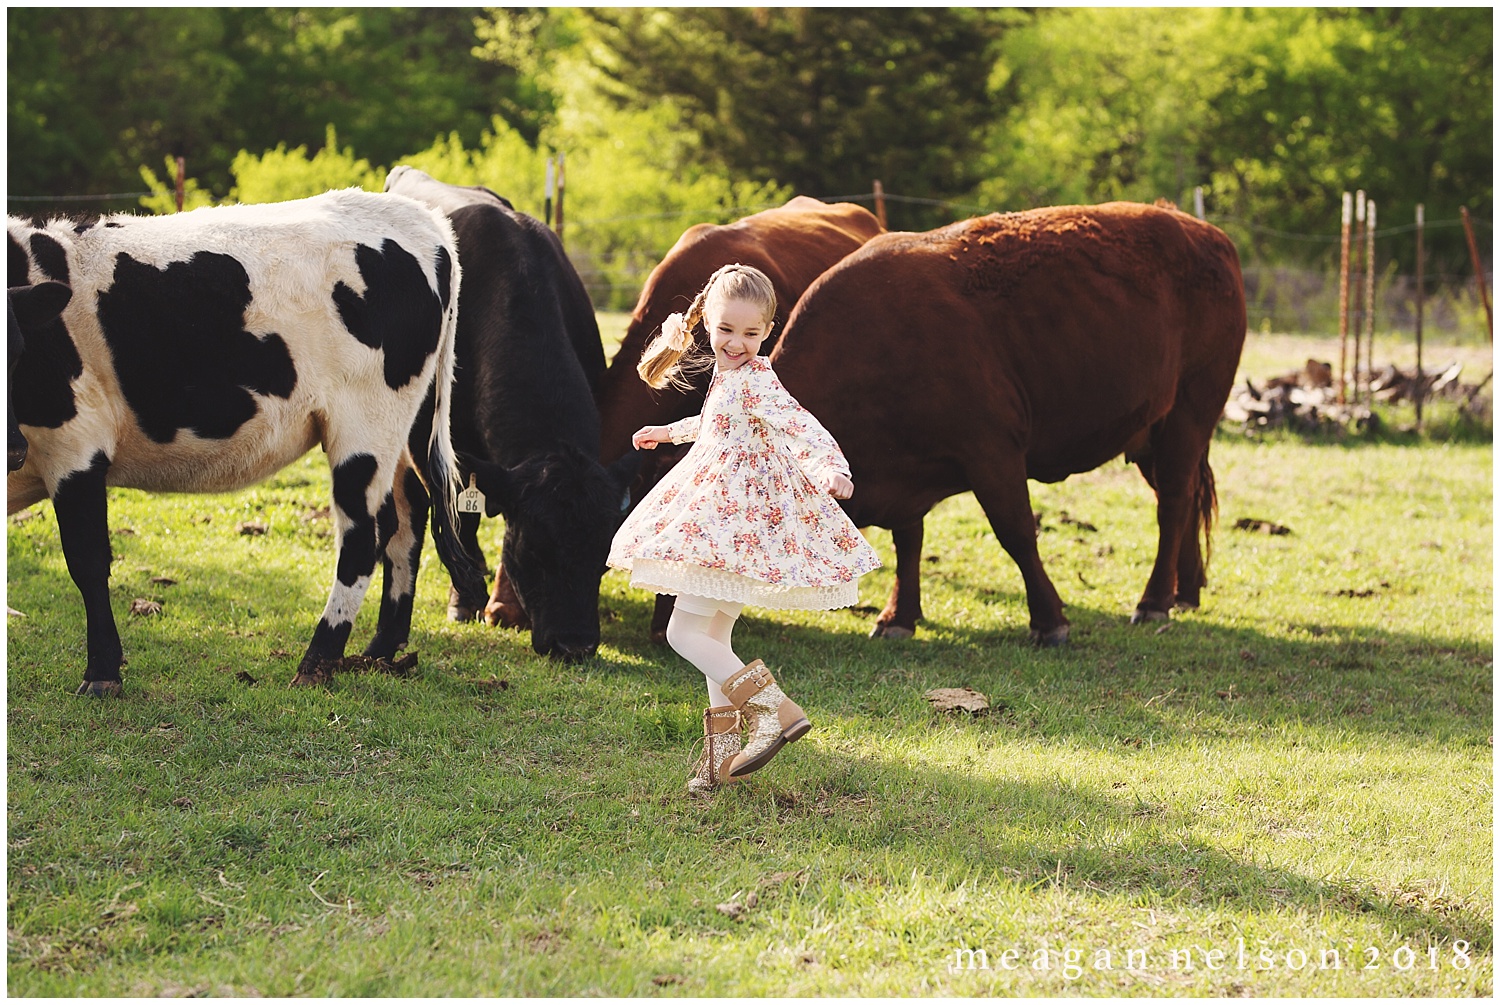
1115	684
1076	839
1352	678
1357	679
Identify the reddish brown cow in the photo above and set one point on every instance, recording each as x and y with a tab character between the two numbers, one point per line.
1025	345
792	244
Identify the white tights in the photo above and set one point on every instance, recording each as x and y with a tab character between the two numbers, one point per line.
699	632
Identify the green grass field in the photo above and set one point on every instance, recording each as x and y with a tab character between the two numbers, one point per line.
1296	776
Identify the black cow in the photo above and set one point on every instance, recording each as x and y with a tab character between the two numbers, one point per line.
524	419
204	351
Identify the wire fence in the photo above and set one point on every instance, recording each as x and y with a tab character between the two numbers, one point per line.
1279	298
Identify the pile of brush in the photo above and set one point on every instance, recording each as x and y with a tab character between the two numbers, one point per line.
1306	400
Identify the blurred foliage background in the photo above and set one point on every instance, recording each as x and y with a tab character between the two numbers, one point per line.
669	117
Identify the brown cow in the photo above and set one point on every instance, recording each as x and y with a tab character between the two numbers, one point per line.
1025	345
792	244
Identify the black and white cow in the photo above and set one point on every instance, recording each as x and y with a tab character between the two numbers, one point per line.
524	419
203	352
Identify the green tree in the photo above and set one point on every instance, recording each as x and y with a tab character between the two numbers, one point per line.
824	100
390	80
94	93
1276	112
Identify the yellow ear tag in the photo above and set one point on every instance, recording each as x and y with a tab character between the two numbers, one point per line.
471	500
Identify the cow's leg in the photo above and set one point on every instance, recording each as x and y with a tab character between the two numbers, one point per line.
1178	451
661	614
504	609
904	609
82	509
1001	491
401	547
353	477
468	537
1190	574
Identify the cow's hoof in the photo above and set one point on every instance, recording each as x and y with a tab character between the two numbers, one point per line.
461	614
99	689
891	632
506	616
1144	615
321	676
1185	605
1050	639
659	636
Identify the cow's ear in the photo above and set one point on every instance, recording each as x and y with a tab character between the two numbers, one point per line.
36	305
622	472
494	481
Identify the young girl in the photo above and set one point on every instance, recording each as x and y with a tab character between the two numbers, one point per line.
747	517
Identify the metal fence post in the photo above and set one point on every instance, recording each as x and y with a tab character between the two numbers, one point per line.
1484	293
1344	291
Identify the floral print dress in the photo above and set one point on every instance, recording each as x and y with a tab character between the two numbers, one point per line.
741	518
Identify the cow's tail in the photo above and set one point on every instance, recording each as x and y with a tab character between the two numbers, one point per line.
441	469
1207	507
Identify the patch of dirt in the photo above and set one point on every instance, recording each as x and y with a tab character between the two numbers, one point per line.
958	699
402	666
1260	526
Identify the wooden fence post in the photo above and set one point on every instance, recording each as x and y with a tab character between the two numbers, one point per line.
1418	383
880	204
562	187
1369	305
181	180
1198	202
1484	293
1344	291
547	194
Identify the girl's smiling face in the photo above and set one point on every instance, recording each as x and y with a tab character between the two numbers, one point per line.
736	329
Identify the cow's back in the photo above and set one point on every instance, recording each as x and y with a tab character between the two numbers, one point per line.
1066	330
522	386
530	248
208	342
792	244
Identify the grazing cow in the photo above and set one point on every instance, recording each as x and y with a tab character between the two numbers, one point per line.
524	419
203	352
1025	345
792	244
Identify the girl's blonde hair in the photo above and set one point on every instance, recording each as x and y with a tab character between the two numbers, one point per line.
671	355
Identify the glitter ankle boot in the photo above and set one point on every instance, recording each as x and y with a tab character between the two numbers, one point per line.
721	742
772	718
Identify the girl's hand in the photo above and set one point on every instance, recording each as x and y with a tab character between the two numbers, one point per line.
838	486
647	437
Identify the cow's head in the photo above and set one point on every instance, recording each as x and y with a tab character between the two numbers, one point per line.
27	309
561	512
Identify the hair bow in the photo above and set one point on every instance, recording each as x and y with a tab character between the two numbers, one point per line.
677	333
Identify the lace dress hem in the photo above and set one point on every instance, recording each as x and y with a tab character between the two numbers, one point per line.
717	584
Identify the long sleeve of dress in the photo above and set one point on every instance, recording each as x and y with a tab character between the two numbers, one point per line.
800	433
684	430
